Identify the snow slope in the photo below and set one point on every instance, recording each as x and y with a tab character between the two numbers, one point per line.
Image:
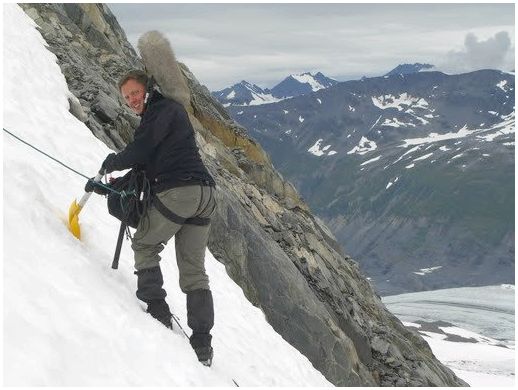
69	319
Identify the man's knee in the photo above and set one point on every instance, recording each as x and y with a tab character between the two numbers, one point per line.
146	256
199	281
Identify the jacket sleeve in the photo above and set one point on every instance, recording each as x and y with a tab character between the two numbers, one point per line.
154	127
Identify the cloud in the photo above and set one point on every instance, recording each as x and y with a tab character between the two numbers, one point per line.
264	43
494	53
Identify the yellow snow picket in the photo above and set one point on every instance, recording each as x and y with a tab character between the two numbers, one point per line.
75	209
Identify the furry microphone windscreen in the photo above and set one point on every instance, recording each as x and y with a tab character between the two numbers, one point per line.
160	61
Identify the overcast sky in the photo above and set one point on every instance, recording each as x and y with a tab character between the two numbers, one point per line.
223	44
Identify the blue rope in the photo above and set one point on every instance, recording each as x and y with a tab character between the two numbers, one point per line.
123	193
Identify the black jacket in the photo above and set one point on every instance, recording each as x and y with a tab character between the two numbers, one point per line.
165	147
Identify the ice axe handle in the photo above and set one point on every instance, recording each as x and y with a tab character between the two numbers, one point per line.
86	196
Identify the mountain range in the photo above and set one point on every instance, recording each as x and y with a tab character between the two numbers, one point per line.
413	173
247	94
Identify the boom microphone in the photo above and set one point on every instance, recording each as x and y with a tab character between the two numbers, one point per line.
160	61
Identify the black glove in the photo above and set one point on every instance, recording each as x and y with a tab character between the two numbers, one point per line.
108	162
91	185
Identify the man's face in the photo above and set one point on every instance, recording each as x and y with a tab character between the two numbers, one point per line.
134	94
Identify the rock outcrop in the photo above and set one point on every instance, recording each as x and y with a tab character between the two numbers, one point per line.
286	262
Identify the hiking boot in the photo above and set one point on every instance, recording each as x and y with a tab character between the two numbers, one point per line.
205	355
200	342
159	309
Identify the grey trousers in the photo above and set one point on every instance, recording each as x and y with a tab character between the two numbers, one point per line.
155	230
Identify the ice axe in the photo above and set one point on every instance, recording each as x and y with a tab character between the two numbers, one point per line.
75	209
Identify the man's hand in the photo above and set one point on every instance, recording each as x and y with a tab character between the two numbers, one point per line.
91	185
108	162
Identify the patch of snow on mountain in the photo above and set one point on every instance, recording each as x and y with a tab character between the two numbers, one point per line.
371	160
394	122
285	112
391	183
316	150
404	99
301	119
364	146
507	126
231	95
423	121
375	123
407	152
423	157
424	271
319	101
502	86
262	98
352	109
410	166
306	78
435	137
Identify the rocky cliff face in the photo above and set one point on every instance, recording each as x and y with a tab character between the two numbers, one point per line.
286	262
93	53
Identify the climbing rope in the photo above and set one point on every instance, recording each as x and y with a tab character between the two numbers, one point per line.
123	193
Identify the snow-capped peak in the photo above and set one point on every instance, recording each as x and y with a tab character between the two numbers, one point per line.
248	94
308	78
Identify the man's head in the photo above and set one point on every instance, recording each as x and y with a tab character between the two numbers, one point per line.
133	89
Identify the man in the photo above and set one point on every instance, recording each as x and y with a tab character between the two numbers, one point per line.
164	147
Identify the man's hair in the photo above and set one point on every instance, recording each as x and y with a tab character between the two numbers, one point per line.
135	74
